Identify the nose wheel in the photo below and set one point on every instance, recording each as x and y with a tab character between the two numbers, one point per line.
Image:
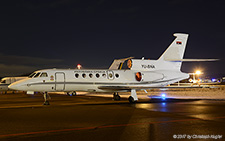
46	103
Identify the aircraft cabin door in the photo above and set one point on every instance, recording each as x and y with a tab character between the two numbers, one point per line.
110	75
59	81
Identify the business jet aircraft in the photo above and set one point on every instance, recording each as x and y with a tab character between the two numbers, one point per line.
143	74
6	81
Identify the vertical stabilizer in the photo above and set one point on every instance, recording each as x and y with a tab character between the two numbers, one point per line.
176	49
171	59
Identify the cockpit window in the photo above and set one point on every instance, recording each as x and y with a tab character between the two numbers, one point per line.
37	74
44	74
30	76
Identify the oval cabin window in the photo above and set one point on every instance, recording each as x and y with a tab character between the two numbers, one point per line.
138	76
129	63
83	75
76	75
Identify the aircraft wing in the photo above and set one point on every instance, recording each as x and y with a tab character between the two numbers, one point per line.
118	87
141	87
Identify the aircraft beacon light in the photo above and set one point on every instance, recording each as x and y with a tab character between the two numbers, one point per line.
79	66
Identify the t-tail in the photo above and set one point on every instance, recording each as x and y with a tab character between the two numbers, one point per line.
176	49
173	56
171	59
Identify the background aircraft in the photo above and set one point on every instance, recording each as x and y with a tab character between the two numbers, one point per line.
6	81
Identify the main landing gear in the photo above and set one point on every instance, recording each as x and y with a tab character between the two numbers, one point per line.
72	93
133	98
116	96
46	98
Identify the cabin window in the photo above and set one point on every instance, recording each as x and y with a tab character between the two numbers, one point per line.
76	75
97	75
44	74
30	76
3	81
83	75
117	75
37	74
104	75
138	76
90	75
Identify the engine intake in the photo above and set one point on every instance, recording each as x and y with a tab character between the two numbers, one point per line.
138	76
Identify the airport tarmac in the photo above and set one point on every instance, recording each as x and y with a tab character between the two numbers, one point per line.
85	117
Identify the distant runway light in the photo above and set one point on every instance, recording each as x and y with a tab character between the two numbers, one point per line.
163	96
79	66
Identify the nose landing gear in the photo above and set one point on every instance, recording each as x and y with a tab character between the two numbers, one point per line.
46	98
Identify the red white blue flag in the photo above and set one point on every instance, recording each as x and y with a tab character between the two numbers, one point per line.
179	43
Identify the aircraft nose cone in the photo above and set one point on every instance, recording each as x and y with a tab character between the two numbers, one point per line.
13	86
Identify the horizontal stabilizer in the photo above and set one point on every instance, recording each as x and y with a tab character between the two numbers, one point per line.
191	60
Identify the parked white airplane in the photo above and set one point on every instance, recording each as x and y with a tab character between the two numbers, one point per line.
143	74
6	81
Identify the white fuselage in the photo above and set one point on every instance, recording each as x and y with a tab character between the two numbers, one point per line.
93	80
143	74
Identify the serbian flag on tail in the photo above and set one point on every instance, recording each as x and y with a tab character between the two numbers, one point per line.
179	43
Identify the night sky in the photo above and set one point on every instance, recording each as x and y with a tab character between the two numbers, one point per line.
41	34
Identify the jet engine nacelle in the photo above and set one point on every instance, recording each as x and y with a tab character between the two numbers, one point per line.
148	76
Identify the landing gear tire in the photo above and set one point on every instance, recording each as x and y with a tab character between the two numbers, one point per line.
71	93
116	96
74	93
46	103
131	99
